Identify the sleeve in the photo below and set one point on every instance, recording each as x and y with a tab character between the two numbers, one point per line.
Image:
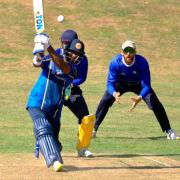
73	72
112	77
145	79
45	62
46	59
82	72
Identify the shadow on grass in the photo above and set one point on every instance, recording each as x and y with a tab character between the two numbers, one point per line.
134	155
75	168
121	137
124	155
122	165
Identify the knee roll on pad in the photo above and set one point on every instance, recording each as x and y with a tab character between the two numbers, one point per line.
42	127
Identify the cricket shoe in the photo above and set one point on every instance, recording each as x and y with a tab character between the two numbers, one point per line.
172	135
94	134
85	153
57	166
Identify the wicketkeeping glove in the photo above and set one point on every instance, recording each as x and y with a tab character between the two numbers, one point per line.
41	43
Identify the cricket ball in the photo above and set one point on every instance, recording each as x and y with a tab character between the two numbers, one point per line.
60	18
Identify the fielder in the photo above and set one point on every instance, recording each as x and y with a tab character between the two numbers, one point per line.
47	96
74	99
129	72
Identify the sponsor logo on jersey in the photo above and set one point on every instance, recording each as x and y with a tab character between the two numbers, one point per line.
134	72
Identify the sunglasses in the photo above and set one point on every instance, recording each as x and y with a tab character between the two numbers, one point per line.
129	50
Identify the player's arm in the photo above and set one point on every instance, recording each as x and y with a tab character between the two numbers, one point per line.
58	60
42	44
112	78
42	61
37	61
145	82
135	101
145	79
82	72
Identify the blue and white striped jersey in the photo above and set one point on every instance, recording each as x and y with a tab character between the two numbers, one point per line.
48	91
82	68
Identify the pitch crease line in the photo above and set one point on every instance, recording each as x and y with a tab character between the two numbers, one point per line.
165	164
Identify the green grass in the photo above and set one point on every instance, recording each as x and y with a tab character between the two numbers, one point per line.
102	25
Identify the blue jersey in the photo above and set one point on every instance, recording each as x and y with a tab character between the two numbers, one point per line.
48	91
137	72
82	73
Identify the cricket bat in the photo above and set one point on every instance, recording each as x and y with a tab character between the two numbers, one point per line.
38	15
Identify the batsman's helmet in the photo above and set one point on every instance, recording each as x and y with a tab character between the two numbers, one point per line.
66	38
68	35
75	51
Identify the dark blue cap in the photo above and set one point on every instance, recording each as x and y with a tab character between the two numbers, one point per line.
77	46
69	35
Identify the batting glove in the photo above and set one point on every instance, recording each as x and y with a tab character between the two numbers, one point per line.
41	43
38	48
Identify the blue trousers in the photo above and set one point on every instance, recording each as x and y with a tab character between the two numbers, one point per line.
77	104
151	100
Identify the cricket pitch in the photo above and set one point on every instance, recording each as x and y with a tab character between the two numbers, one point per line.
102	166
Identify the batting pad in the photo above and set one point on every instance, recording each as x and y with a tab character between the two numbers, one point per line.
47	142
85	131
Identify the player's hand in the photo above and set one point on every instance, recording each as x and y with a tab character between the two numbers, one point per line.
135	102
37	60
42	38
38	48
117	96
41	43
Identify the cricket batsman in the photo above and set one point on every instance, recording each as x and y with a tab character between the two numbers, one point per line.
46	98
74	99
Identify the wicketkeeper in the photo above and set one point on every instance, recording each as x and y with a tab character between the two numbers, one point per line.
75	101
46	99
129	72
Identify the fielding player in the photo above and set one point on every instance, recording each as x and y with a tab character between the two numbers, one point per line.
74	98
129	72
47	96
